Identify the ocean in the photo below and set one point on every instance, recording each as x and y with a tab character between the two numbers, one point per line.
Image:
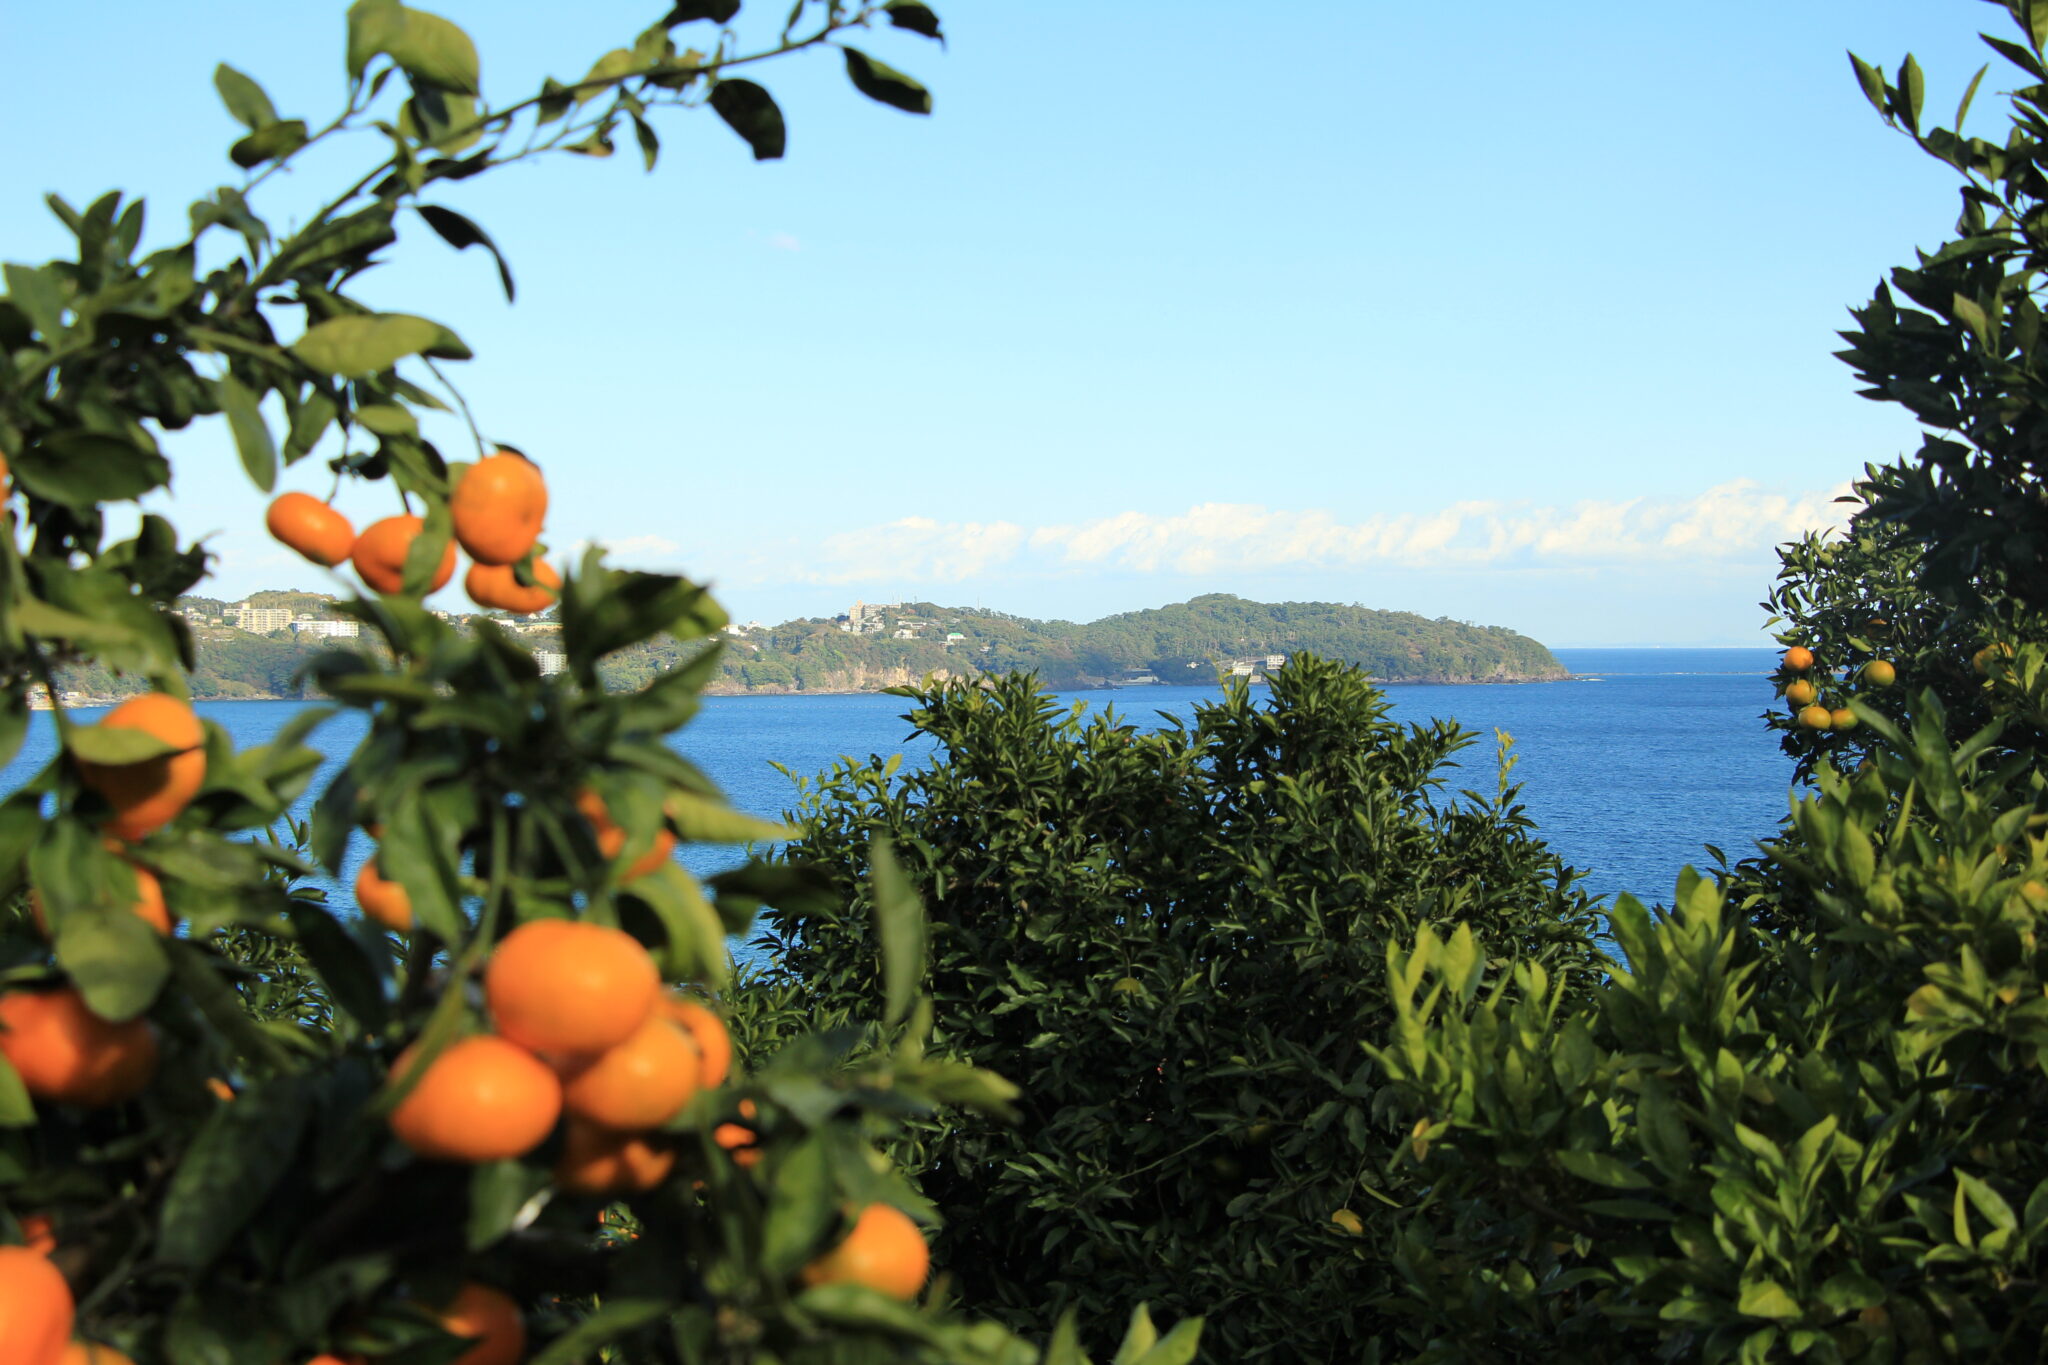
1629	769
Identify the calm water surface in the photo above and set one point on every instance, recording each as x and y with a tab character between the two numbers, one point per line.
1629	769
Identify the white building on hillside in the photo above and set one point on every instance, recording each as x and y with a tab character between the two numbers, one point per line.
551	661
260	620
329	630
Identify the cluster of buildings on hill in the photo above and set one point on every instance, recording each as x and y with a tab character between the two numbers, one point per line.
311	625
887	618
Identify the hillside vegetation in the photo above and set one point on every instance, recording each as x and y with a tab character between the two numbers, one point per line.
1187	642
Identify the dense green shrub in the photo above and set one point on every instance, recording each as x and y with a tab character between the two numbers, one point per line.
1172	942
1807	1120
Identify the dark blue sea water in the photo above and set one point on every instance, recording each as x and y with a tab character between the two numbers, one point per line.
1629	769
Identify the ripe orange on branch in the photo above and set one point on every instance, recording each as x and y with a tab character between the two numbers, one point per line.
1816	717
492	1319
570	988
148	906
311	527
498	507
380	551
611	837
641	1083
148	795
67	1053
495	585
1798	659
1800	693
884	1251
384	901
36	1308
482	1099
708	1031
597	1160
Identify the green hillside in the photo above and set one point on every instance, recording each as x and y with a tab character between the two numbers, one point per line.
1187	642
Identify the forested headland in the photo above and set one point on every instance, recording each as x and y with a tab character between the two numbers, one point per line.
885	646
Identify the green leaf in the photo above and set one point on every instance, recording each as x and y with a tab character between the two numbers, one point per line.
116	747
388	419
345	966
244	98
703	820
1139	1338
899	930
498	1190
1851	1291
615	1319
750	111
1872	81
689	11
17	1110
800	1207
915	16
1766	1299
861	1309
269	143
1177	1347
650	145
885	84
367	343
1602	1169
252	433
1910	90
428	48
115	959
241	1152
82	469
461	233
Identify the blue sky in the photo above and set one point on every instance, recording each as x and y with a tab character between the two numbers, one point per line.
1517	314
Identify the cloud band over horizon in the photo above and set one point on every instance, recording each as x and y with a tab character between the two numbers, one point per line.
1733	523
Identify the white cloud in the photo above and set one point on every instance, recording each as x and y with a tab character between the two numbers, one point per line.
1732	523
784	241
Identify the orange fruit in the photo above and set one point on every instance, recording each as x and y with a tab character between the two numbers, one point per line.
311	527
219	1089
570	988
742	1141
67	1053
38	1232
148	795
380	551
884	1251
1987	658
1842	718
495	585
597	1160
482	1099
707	1030
498	508
36	1309
6	481
492	1319
149	904
611	838
383	900
641	1083
92	1353
1880	673
1800	693
1816	717
331	1359
1798	659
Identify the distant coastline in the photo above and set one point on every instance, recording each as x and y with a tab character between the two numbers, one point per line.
258	649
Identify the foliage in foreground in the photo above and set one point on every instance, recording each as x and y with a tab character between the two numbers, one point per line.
214	1168
1171	941
1806	1121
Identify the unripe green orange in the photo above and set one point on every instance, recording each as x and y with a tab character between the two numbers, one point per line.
1842	718
1880	673
1816	717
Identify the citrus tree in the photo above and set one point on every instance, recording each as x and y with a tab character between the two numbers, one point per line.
1804	1120
493	1118
1172	939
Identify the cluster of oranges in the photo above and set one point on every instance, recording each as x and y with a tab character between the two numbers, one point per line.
61	1049
497	509
1802	693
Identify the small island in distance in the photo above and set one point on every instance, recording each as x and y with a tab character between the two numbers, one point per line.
254	649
